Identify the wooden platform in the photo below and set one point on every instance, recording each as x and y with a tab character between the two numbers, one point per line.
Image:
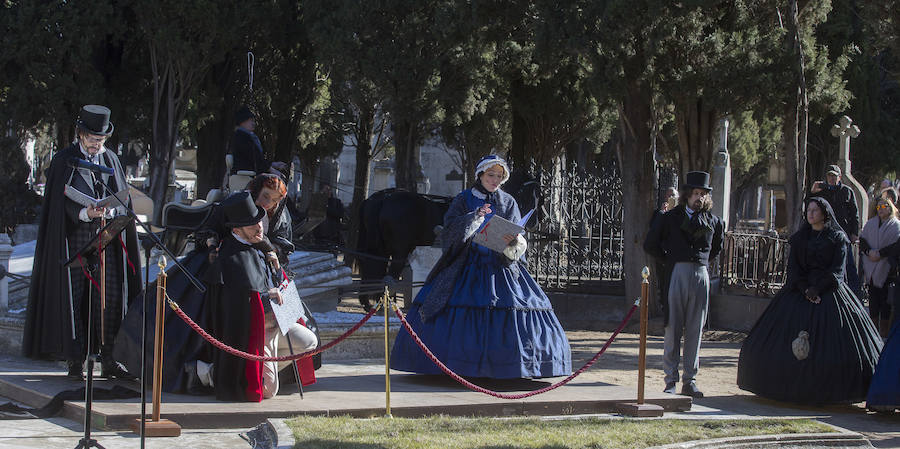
345	388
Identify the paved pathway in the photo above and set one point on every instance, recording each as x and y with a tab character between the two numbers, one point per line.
718	369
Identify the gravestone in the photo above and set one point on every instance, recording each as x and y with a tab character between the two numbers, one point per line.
845	130
5	251
721	177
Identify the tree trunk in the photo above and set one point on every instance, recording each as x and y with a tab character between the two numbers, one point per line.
406	165
795	128
695	123
212	140
361	172
285	140
518	130
638	172
307	184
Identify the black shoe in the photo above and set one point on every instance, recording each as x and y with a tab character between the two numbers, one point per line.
192	383
111	369
76	371
690	389
670	388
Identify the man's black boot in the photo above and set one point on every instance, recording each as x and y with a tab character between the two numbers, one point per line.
76	370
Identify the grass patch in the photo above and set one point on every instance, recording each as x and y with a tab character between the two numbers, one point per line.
443	432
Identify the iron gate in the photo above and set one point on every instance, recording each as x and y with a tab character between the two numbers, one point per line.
577	243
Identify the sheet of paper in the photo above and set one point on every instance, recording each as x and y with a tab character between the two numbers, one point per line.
112	202
491	235
88	201
290	309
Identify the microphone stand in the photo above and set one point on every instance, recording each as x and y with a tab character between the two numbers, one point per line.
154	242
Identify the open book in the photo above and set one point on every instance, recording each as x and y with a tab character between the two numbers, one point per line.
491	235
89	201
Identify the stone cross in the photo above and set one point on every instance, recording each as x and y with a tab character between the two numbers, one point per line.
846	130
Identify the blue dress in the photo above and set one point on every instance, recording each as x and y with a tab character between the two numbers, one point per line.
884	391
479	312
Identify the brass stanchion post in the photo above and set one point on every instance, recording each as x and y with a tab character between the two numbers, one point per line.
387	356
158	427
639	408
642	354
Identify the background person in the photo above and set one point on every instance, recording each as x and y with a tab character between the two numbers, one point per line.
835	361
877	244
663	270
687	237
480	312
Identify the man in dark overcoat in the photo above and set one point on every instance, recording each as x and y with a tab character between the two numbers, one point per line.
688	237
61	299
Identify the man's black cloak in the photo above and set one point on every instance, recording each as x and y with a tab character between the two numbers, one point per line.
237	318
48	330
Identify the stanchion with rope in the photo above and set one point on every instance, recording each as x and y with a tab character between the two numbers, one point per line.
387	355
496	394
639	408
156	426
385	303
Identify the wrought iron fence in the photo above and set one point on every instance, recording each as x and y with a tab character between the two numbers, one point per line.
755	263
577	243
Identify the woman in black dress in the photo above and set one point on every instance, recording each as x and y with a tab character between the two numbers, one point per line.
814	343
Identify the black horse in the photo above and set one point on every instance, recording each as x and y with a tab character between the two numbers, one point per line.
392	223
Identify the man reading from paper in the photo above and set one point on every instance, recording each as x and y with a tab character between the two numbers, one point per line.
241	292
60	298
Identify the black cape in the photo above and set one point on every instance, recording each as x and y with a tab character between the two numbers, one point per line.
48	323
234	316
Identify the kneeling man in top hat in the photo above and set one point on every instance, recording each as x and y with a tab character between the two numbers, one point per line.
687	237
240	293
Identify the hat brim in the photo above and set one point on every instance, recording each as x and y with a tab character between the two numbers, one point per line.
109	129
832	172
260	213
694	186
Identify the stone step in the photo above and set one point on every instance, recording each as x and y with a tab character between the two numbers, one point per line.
307	257
316	268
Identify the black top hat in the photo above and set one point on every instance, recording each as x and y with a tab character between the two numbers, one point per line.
243	114
697	180
240	210
95	120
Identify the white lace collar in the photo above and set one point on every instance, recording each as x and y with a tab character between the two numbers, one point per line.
478	194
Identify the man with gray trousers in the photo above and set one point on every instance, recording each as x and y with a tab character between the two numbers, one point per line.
687	237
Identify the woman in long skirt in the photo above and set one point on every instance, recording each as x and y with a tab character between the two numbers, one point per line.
480	312
814	343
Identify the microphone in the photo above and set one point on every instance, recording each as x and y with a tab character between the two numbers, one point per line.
83	164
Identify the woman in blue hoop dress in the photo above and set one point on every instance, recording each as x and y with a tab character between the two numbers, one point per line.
480	312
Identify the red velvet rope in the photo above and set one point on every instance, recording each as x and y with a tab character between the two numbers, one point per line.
85	271
495	394
238	353
130	265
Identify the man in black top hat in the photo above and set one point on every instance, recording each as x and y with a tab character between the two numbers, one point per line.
246	147
687	237
60	298
846	213
241	287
